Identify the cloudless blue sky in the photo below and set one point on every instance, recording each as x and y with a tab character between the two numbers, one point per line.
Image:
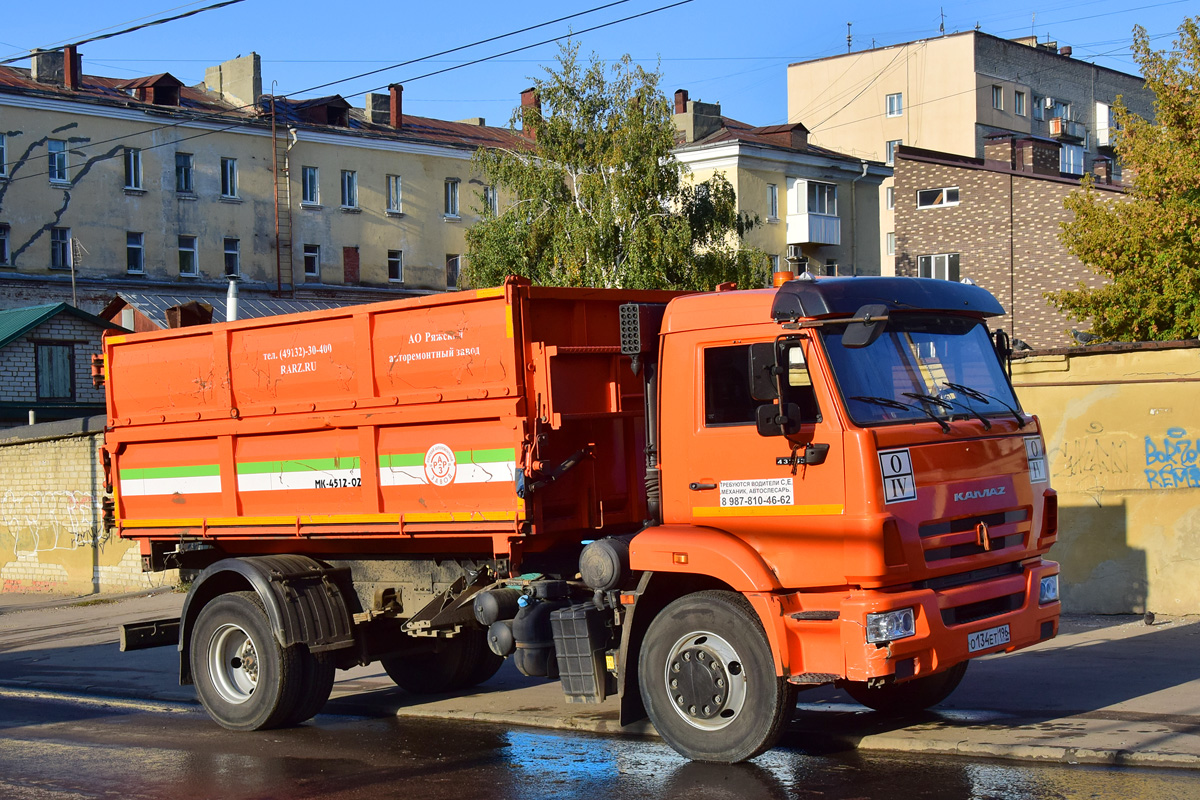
734	53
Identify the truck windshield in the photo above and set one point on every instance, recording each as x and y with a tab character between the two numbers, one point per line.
922	367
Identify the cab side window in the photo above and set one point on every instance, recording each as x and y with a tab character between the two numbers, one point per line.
727	398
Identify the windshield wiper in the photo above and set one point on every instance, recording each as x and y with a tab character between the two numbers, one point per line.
888	402
949	405
975	394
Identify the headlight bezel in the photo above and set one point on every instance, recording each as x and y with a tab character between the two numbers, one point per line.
1048	590
890	626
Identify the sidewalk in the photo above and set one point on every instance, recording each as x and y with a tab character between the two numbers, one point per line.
1108	690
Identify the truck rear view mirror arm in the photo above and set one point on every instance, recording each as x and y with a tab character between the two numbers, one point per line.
867	325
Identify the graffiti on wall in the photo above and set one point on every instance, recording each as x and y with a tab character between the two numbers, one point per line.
1092	455
44	521
1173	462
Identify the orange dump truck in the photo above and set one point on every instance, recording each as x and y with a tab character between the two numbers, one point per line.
699	503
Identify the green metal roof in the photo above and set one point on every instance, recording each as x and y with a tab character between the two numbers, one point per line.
16	322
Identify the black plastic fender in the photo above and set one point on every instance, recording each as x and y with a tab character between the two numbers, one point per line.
305	601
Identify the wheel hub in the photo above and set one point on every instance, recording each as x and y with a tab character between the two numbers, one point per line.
699	683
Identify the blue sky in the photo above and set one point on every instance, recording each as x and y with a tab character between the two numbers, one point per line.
727	52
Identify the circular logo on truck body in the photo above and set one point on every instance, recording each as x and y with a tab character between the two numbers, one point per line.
440	467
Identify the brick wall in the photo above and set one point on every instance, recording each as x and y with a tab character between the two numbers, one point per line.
18	371
1005	229
51	536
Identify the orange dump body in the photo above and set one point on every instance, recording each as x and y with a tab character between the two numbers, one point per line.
394	427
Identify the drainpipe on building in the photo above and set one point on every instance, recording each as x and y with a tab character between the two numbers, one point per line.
854	220
231	299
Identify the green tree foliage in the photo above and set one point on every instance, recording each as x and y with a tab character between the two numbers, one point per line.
598	199
1148	244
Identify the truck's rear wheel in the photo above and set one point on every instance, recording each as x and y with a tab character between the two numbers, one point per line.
316	683
708	679
444	665
244	679
911	696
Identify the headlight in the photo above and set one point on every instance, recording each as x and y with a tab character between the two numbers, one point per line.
1049	591
891	625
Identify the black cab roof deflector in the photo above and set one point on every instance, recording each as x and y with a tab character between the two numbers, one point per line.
825	297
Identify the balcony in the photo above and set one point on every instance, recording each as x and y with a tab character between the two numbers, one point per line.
1065	130
814	229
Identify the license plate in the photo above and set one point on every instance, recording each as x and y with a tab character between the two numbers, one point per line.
992	637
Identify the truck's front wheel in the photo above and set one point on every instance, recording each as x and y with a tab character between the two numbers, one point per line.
245	680
708	679
911	696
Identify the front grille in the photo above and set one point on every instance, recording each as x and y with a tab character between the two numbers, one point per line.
972	548
973	612
970	523
974	576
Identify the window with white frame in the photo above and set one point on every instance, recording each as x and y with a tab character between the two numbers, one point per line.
60	248
229	177
891	244
184	173
395	194
349	188
889	150
189	264
450	206
890	195
312	260
943	266
395	265
452	260
135	253
1105	124
998	97
1039	107
3	155
1060	108
54	364
774	259
57	154
929	198
895	104
4	251
310	186
772	201
233	256
1070	159
133	168
822	198
490	203
1019	104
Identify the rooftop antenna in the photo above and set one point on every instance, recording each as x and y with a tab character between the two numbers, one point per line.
942	27
849	38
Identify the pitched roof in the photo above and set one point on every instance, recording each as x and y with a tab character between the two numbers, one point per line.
16	322
774	136
154	306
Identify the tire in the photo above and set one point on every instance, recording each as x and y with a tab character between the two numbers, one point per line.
244	679
708	679
316	684
909	697
444	665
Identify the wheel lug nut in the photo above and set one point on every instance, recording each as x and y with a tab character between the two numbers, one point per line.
674	683
687	656
692	709
721	682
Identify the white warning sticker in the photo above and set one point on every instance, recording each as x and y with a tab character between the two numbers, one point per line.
757	492
899	485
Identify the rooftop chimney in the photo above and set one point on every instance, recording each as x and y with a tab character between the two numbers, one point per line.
72	68
395	105
46	66
531	112
681	98
1065	50
698	119
1102	169
238	80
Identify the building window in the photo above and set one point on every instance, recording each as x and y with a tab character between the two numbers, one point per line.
1060	109
895	104
58	160
349	188
891	244
998	98
233	256
928	198
774	259
396	266
395	194
451	204
310	186
4	246
452	271
1070	159
1019	104
890	194
184	163
943	266
831	267
229	177
133	168
135	253
890	151
55	371
772	201
60	248
822	198
3	155
188	265
312	260
1038	104
490	202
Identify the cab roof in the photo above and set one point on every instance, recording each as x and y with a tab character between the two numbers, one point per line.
825	297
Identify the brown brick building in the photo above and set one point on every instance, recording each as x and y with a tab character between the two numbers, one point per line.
995	220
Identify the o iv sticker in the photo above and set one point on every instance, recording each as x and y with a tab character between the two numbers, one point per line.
899	485
440	466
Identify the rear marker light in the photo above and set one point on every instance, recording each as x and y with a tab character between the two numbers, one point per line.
679	558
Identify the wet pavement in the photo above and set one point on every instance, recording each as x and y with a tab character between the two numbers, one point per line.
1108	690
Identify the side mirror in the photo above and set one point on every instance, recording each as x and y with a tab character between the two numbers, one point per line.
762	371
781	419
866	326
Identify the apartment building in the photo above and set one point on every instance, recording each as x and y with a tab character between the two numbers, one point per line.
149	185
950	93
818	209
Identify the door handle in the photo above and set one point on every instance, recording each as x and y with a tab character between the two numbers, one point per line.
700	487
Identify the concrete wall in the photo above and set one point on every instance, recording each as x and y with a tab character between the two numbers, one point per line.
51	536
1124	446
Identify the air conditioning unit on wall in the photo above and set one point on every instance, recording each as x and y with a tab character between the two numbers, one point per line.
1048	102
795	253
